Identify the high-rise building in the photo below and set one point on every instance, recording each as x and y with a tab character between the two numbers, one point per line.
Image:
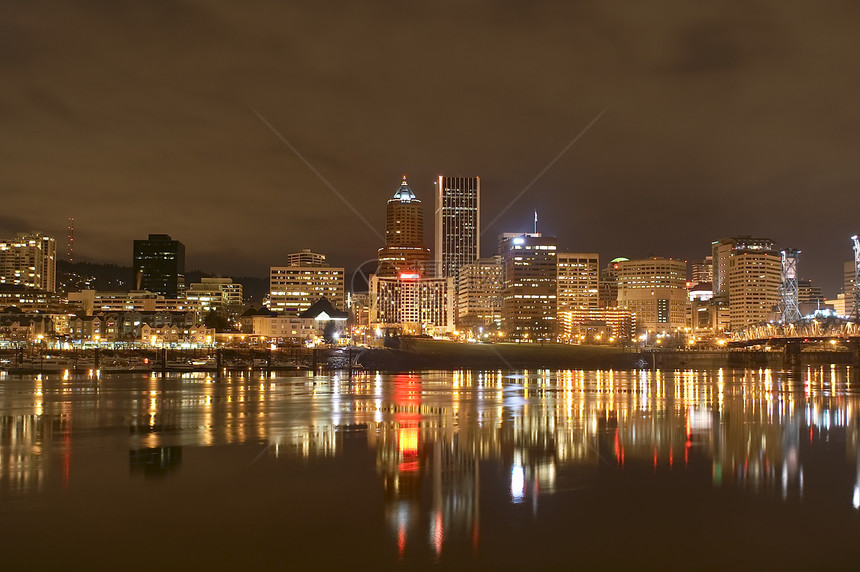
458	222
404	250
722	251
295	287
412	305
655	290
29	260
753	276
159	265
578	280
530	274
479	294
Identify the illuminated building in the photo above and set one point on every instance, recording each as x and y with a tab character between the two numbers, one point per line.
293	288
215	295
752	278
305	258
722	252
701	317
608	288
702	271
404	250
159	265
479	294
412	305
93	301
578	281
747	275
458	222
530	274
848	285
30	261
596	325
809	297
655	290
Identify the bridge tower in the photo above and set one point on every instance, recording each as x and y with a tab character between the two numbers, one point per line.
788	288
855	312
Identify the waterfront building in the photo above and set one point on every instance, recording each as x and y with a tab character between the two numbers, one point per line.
479	295
89	302
32	300
578	281
215	295
754	275
159	265
597	325
404	250
295	287
411	305
655	290
458	223
747	276
29	260
529	294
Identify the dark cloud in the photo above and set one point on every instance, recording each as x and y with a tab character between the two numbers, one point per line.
724	118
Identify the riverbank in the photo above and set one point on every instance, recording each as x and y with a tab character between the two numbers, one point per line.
436	354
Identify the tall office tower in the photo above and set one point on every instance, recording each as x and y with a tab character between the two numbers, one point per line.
479	294
724	249
578	280
529	305
29	260
404	250
295	287
608	295
655	290
702	271
753	273
159	265
458	222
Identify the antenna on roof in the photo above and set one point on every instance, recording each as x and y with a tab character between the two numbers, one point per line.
535	222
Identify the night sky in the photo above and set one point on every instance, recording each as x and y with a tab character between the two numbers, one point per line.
145	117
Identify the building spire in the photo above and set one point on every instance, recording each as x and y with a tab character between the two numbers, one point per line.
535	222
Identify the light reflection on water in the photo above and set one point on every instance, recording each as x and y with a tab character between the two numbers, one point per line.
449	446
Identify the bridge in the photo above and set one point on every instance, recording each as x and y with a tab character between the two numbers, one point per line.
817	328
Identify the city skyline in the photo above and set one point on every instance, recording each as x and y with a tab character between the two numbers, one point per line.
719	123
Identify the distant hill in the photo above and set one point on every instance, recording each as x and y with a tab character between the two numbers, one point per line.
73	277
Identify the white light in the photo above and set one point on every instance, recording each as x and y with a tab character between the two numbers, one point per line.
518	483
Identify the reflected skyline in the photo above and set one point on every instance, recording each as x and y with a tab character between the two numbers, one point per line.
444	449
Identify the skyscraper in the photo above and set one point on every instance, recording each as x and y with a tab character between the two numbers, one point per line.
29	260
159	265
747	275
404	250
458	222
530	276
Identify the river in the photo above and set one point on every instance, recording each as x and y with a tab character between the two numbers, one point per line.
705	469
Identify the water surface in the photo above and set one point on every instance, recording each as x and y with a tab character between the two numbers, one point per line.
492	470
